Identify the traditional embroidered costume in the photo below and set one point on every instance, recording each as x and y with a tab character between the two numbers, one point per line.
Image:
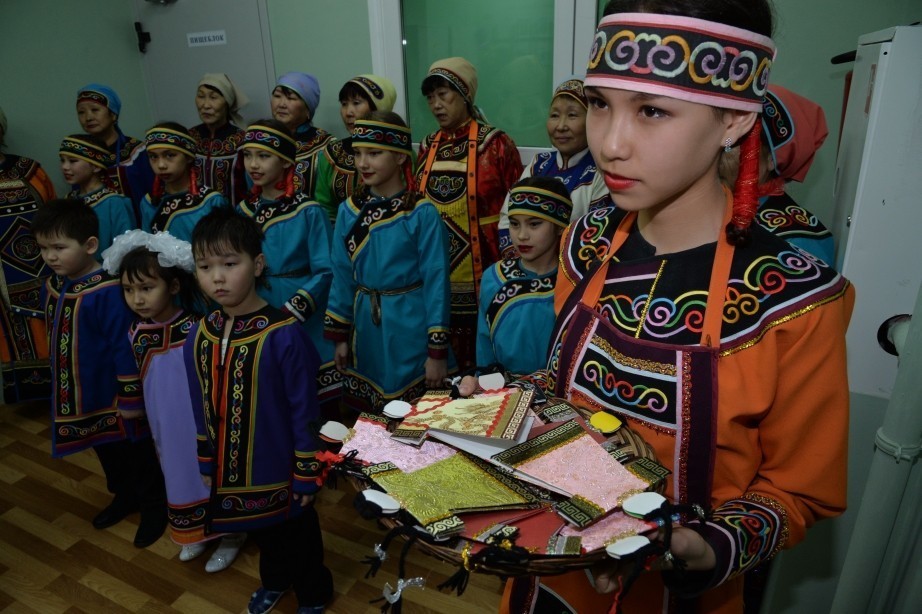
516	317
466	173
254	405
96	374
729	361
516	304
24	187
114	213
177	213
780	309
310	139
129	173
297	251
794	129
587	189
253	408
158	349
113	210
390	296
311	143
216	152
780	215
216	159
336	176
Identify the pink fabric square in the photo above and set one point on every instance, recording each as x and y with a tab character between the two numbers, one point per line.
582	467
374	445
611	528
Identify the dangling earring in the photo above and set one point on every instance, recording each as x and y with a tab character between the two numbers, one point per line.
727	145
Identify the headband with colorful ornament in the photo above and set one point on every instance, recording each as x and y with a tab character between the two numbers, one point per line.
77	147
266	138
167	138
545	204
380	135
682	57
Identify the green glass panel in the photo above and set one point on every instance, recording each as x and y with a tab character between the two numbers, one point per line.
511	43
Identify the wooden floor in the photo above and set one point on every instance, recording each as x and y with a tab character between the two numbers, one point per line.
53	560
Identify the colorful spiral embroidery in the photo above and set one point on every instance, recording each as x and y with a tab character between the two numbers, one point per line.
256	323
165	138
78	148
235	414
381	135
241	504
271	140
684	57
622	391
755	529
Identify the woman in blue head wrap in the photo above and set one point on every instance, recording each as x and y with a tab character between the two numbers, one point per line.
294	102
98	109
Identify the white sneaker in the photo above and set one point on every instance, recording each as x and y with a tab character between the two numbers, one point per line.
226	552
192	551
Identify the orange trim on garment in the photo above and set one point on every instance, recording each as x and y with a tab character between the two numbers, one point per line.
472	217
717	289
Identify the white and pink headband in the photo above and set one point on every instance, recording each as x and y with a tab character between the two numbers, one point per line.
682	57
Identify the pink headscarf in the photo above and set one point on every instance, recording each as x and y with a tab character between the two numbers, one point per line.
794	129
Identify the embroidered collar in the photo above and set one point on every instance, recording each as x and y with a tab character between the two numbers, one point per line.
575	159
457	133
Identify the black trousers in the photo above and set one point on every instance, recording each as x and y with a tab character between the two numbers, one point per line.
133	474
291	556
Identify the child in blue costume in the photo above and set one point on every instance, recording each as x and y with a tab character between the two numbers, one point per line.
251	370
178	201
84	160
96	401
389	304
297	243
517	294
336	176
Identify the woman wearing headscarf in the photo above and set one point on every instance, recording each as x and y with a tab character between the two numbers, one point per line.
24	187
466	168
570	161
794	129
336	176
217	138
98	110
294	102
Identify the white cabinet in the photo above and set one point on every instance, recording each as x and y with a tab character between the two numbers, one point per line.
878	196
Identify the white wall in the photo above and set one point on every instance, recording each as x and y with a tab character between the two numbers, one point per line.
50	49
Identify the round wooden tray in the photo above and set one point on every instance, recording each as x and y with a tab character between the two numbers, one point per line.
454	550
